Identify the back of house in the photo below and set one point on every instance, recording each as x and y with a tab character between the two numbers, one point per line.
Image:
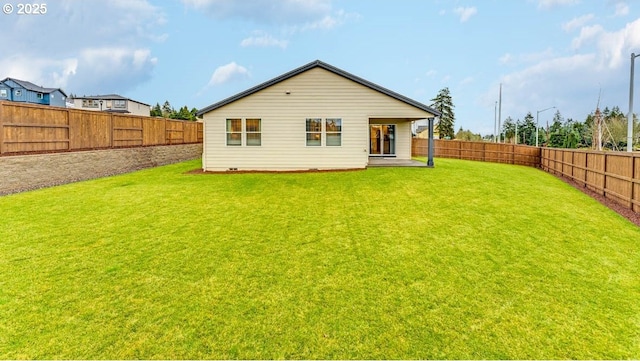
314	117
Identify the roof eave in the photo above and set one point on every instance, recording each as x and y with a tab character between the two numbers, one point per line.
328	67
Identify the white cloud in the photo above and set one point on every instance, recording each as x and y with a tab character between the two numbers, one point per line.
467	80
506	58
263	39
547	4
510	59
618	46
261	11
576	23
465	13
228	72
431	72
89	55
586	33
572	83
622	9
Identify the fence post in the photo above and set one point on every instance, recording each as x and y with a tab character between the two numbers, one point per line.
586	168
1	128
633	180
111	125
68	129
484	151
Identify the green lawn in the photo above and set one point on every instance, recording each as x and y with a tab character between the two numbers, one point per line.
464	261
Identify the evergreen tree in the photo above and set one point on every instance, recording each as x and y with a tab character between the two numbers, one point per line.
444	104
528	130
156	111
167	109
509	129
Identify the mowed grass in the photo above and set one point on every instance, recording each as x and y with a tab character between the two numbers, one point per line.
464	261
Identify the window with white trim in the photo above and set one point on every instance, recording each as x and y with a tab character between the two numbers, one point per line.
40	95
333	129
234	132
120	104
90	103
314	132
17	92
3	93
324	133
253	132
244	131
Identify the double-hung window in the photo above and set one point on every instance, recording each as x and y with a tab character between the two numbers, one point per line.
234	132
314	132
333	128
329	129
253	132
249	130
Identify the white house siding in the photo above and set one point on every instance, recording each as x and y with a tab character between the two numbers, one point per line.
316	93
132	106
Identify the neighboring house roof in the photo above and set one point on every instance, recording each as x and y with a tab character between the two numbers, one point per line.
34	88
107	97
422	128
325	66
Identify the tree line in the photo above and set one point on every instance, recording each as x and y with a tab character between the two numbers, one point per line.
606	129
167	111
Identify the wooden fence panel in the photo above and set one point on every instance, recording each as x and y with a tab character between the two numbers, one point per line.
618	175
595	172
89	130
154	131
190	132
31	128
479	151
175	132
127	131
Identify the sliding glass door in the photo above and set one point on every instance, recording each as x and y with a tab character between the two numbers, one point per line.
382	140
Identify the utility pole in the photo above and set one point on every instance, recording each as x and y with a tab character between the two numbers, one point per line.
500	112
495	123
630	114
537	123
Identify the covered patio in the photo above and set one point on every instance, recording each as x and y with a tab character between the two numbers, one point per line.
390	142
393	162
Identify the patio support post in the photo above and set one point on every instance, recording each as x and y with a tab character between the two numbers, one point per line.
430	155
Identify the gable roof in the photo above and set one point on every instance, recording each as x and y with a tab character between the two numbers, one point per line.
107	97
325	66
32	87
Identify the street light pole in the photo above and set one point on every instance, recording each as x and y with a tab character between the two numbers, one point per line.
495	122
537	126
630	114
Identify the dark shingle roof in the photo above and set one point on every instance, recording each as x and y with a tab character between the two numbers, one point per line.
107	97
34	88
325	66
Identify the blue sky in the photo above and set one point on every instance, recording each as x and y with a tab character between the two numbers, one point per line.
196	52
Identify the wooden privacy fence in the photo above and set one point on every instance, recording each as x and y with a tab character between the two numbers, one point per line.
28	128
481	151
615	175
